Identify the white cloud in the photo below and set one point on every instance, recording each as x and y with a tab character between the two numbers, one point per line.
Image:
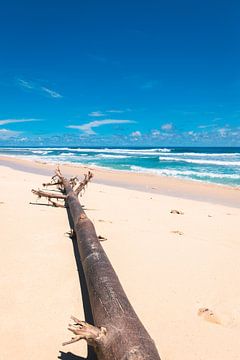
96	114
136	134
167	127
12	121
88	127
25	84
115	111
5	134
223	132
30	85
155	133
235	133
206	126
111	111
52	93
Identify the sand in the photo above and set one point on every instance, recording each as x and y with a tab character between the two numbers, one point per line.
180	271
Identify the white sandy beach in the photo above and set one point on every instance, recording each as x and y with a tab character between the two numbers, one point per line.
180	272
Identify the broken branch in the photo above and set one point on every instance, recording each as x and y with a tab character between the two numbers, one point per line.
56	204
92	334
49	195
52	183
84	183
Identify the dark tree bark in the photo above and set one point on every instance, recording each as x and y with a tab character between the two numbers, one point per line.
117	333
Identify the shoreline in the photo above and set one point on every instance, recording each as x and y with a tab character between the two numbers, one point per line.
149	172
151	183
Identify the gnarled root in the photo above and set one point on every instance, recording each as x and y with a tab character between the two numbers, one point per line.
92	334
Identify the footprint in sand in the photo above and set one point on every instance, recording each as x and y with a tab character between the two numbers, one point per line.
208	315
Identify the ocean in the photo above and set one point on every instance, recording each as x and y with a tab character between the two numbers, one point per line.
219	165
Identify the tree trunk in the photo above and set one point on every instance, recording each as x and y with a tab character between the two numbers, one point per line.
117	333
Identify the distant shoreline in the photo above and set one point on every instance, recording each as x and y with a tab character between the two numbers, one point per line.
217	165
171	186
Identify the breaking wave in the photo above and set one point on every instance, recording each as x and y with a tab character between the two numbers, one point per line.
198	161
217	165
184	173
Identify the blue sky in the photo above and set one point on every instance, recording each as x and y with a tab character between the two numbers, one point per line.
120	73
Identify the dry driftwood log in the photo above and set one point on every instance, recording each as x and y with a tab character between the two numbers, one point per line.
117	333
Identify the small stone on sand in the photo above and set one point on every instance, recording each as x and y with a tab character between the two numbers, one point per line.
177	232
178	212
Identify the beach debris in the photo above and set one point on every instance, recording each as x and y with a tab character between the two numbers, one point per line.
119	334
208	315
178	212
177	232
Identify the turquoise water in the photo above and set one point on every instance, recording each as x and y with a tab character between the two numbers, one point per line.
215	165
